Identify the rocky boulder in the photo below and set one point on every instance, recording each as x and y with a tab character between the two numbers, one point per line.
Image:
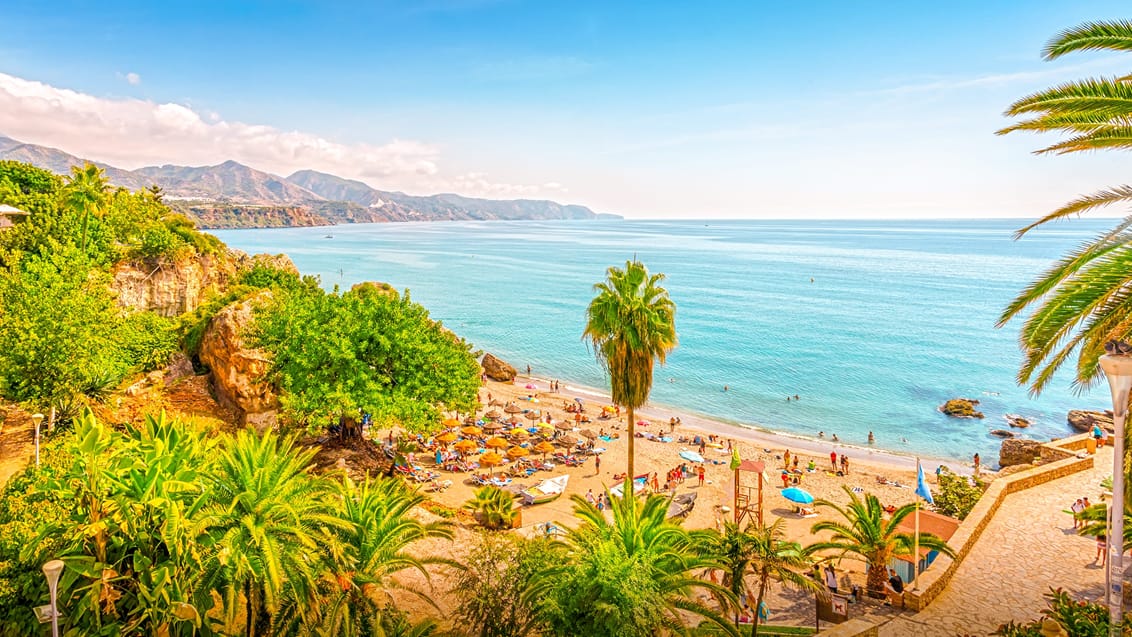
1002	433
1081	420
238	370
1018	451
961	408
497	369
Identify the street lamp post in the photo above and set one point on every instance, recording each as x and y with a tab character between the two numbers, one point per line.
37	419
53	570
1118	371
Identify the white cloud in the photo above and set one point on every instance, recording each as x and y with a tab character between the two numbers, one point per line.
478	184
133	78
130	133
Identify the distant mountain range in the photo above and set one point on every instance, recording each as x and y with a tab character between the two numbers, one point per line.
232	195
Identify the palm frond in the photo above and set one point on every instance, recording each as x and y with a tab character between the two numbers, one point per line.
1091	36
1101	97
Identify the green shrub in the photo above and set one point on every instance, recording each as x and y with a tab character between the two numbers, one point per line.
494	507
1079	618
956	495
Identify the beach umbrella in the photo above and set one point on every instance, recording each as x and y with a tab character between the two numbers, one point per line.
493	414
800	496
519	432
471	431
691	456
516	452
567	441
563	426
588	433
446	437
464	446
470	420
451	422
491	459
513	409
579	401
532	415
497	443
609	408
544	448
492	426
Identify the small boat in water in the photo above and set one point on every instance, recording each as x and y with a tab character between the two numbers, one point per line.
545	491
1014	420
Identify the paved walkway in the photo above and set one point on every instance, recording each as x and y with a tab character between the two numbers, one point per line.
1026	549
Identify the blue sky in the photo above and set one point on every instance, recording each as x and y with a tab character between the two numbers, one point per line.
727	109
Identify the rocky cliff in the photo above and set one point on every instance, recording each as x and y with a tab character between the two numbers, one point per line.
238	370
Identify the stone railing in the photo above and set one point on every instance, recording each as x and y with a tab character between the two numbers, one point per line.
1060	460
852	628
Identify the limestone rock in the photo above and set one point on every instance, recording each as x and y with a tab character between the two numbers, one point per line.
179	367
1002	433
961	408
238	370
497	369
1018	451
1082	420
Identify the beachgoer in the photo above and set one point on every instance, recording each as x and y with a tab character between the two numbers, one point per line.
821	434
1102	550
728	444
702	472
872	438
845	464
831	578
725	388
1076	509
785	479
833	459
597	465
590	496
601	502
528	370
894	586
811	466
786	459
978	462
787	399
796	397
655	483
1098	433
795	467
835	438
938	472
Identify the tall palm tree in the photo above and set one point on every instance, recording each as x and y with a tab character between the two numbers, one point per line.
381	529
273	527
632	575
1085	299
763	552
631	323
864	534
86	192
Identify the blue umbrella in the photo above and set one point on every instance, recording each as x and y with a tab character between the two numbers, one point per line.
579	401
794	494
691	456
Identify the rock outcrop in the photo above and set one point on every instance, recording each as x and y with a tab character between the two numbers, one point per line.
497	369
171	288
1002	433
238	370
1081	420
1018	451
961	408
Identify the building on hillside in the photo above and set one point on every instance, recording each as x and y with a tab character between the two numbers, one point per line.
937	524
10	215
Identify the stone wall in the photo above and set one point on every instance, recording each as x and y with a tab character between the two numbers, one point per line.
852	628
1063	462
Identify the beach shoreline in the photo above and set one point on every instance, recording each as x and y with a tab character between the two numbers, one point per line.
757	435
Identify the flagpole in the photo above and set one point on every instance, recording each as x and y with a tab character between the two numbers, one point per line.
916	536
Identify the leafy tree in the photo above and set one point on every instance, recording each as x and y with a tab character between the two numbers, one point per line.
494	585
631	323
632	576
1083	301
335	354
1096	523
494	507
864	534
86	192
1079	618
957	495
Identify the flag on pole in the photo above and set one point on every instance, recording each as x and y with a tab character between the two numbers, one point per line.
922	489
735	461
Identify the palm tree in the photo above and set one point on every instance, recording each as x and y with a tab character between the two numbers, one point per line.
761	551
381	529
866	535
632	575
86	192
631	324
1096	523
273	527
1084	300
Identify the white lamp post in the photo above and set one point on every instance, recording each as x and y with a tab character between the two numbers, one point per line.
1118	371
37	419
53	570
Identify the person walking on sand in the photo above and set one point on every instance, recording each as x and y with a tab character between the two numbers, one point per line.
597	465
833	459
786	459
590	496
702	472
978	463
1102	550
1076	509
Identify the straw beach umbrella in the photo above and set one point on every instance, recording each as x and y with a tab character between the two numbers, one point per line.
516	452
493	426
493	414
567	441
446	437
563	426
519	433
451	422
464	446
532	415
513	409
471	431
491	460
498	443
495	402
544	448
588	433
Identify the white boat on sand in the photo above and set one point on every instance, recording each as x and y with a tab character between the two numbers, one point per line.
546	490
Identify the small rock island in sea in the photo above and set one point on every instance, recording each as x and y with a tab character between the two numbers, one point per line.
961	408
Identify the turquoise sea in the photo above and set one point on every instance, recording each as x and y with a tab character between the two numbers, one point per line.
899	316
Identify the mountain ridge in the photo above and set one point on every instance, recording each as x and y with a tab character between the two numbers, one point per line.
221	195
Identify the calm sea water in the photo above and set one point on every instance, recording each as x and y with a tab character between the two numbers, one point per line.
898	317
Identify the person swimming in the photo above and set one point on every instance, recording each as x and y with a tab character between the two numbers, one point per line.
835	438
725	388
821	434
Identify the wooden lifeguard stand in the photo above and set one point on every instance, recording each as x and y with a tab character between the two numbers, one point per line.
748	495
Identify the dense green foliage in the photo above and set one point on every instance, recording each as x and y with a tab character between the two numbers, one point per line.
494	585
364	350
1082	301
1077	618
168	529
867	534
631	324
494	507
957	495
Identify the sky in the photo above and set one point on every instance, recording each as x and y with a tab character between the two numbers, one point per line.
646	109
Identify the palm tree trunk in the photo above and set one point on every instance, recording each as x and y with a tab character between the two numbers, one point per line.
875	581
249	620
758	604
629	485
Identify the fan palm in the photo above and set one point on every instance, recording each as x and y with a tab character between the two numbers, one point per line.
864	534
631	323
273	527
381	529
632	575
86	192
1085	299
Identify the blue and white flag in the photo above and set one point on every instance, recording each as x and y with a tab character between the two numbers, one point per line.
922	486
